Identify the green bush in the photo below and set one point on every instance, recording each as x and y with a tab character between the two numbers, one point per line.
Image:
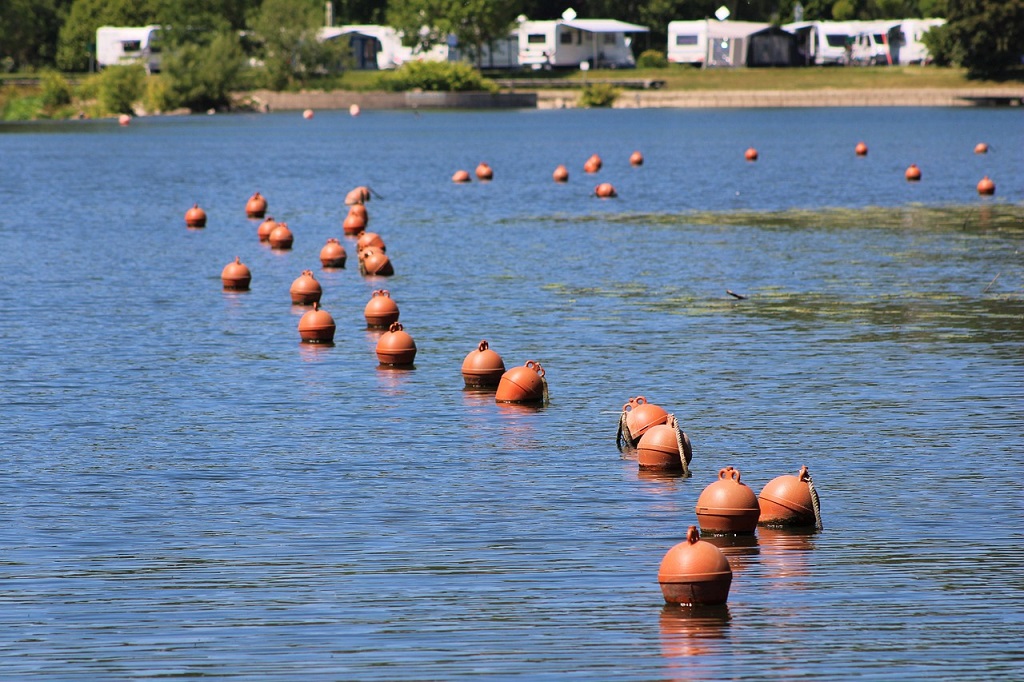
598	95
652	59
201	77
120	87
56	90
436	77
23	108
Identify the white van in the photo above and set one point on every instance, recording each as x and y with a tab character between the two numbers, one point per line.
824	43
120	45
602	43
912	49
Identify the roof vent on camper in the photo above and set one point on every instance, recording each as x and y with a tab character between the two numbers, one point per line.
569	14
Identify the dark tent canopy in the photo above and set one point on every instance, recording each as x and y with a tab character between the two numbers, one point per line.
772	47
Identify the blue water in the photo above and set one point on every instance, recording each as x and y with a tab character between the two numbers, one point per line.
189	491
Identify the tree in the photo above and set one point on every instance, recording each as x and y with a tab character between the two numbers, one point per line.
202	76
474	23
77	38
29	31
986	36
290	48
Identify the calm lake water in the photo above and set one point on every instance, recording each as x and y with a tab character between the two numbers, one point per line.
188	491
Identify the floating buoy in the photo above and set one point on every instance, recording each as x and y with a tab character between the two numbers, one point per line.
316	326
256	207
353	110
281	237
484	172
986	186
195	217
593	164
307	114
357	195
305	290
524	384
236	276
395	348
482	367
695	573
636	159
381	310
728	505
368	240
333	255
373	261
265	228
981	148
124	119
360	210
750	154
639	415
861	149
789	501
913	173
461	176
561	174
605	191
354	223
664	447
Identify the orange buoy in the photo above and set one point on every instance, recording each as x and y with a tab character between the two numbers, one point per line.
461	176
305	290
593	164
561	174
788	501
357	195
728	505
353	110
236	276
307	114
195	217
605	191
640	415
381	310
124	119
265	228
659	448
981	148
395	348
524	384
353	224
695	573
484	172
482	367
636	159
913	173
750	154
256	207
281	237
370	240
333	255
986	186
316	326
360	210
373	261
861	149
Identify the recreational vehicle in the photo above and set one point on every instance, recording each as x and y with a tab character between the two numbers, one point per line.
707	42
373	47
823	43
876	43
912	49
119	45
601	43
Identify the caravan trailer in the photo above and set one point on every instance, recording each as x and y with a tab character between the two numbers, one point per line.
823	43
876	43
120	45
705	42
373	47
601	43
912	50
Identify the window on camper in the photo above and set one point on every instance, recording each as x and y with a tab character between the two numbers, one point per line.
131	45
609	38
565	38
836	39
686	40
536	39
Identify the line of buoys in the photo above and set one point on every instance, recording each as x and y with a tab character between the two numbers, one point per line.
484	172
986	186
461	176
395	347
525	384
333	255
305	290
265	228
695	573
560	174
913	173
728	505
861	149
281	237
256	207
482	367
750	154
236	276
316	326
195	217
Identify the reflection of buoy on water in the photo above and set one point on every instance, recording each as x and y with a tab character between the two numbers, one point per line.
728	505
695	573
482	367
981	148
353	110
307	114
395	347
986	186
281	237
750	154
525	384
461	176
484	172
333	255
913	173
256	207
265	228
636	159
305	290
605	191
381	310
561	174
861	149
236	276
195	217
789	501
316	326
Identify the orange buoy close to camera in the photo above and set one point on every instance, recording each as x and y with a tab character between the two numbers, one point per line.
195	217
641	415
523	384
317	326
381	310
728	505
395	347
256	207
658	449
333	255
236	276
695	573
787	501
305	290
913	173
482	368
986	186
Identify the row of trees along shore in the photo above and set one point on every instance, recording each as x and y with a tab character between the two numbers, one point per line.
209	46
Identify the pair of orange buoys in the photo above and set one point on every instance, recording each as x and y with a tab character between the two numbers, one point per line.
195	217
356	220
278	235
660	444
256	207
396	348
483	172
729	506
593	164
305	290
333	254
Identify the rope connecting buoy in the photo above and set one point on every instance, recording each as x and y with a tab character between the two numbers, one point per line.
373	261
333	255
605	191
913	173
370	240
195	217
986	186
381	311
395	348
461	176
665	447
482	368
265	228
317	326
305	290
256	207
861	149
354	223
728	505
695	573
281	237
981	148
357	195
637	416
636	159
561	174
236	276
790	501
750	154
484	172
525	384
593	164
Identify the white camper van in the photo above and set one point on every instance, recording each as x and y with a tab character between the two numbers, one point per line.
119	45
602	43
824	43
707	42
912	50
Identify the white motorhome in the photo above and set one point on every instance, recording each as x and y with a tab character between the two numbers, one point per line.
824	43
120	45
569	42
876	43
707	42
912	50
373	47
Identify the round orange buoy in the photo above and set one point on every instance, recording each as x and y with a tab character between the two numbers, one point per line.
265	228
124	119
522	384
659	449
695	573
395	348
593	164
561	174
373	261
461	176
750	154
636	159
913	173
786	501
728	505
981	148
369	240
307	114
986	186
360	210
642	415
236	276
281	237
605	191
353	224
305	290
333	255
195	217
482	367
357	195
353	110
484	172
861	149
256	207
316	326
381	310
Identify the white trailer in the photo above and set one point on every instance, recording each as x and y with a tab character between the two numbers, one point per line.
824	43
601	43
707	42
912	49
120	45
876	43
